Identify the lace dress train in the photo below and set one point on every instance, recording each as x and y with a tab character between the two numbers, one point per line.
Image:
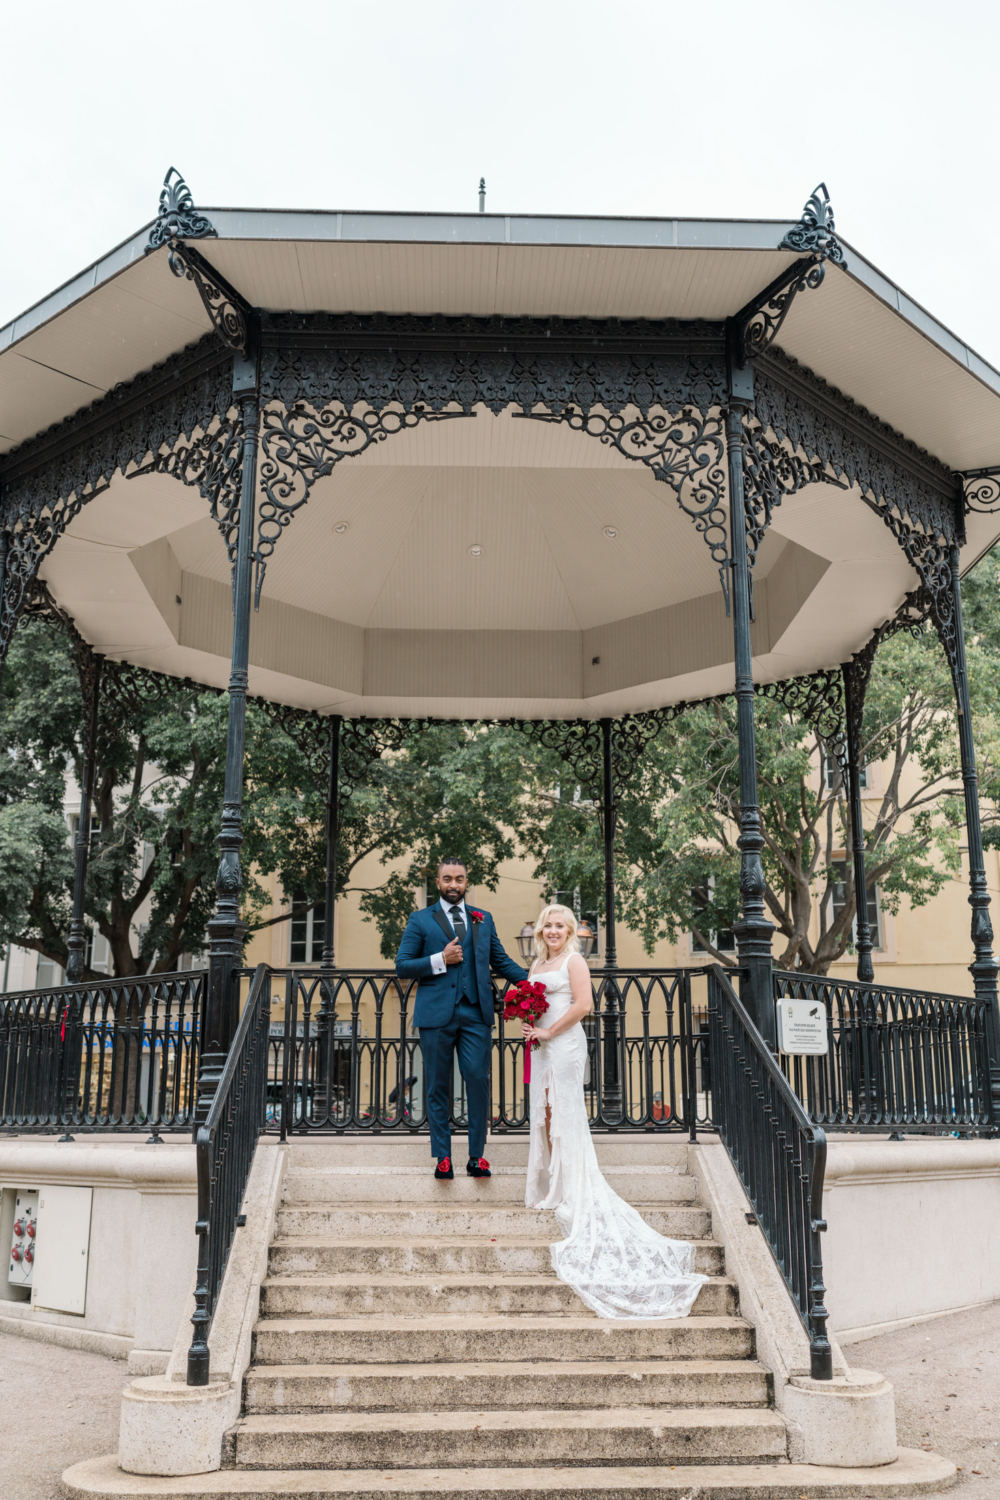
613	1260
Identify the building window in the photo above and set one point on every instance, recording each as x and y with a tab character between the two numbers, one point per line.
839	901
48	974
831	774
307	931
724	940
98	952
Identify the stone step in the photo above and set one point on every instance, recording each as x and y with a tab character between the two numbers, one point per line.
483	1439
354	1296
388	1151
417	1185
430	1255
912	1473
449	1387
401	1221
516	1336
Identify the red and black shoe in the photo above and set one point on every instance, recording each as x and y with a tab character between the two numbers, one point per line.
444	1171
478	1167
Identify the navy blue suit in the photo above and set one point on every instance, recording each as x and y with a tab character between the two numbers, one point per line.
454	1013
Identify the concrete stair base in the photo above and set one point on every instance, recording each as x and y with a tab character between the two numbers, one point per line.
642	1435
443	1387
913	1473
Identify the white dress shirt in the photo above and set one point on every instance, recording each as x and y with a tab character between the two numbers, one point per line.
438	965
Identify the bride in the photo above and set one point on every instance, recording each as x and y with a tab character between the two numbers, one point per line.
613	1260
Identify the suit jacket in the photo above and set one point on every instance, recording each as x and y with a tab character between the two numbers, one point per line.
429	931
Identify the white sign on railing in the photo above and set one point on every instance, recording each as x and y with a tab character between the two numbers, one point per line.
802	1028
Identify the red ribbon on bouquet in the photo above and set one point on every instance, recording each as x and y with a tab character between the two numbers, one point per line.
526	1002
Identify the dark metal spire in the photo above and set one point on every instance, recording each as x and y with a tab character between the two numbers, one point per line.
177	217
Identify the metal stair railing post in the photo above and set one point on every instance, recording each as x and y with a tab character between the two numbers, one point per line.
778	1153
225	1147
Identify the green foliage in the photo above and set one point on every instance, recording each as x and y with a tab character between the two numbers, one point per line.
158	792
453	789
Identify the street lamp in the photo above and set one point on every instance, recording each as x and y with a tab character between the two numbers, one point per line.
588	938
526	941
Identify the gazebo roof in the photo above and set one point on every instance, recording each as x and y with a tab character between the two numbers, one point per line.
864	335
557	617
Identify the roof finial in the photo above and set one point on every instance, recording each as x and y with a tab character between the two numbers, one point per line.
814	233
177	217
482	195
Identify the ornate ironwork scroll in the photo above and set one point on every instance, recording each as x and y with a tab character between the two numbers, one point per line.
819	421
301	446
228	311
655	399
177	217
309	731
179	221
814	239
981	490
819	699
815	233
687	451
211	462
48	481
770	472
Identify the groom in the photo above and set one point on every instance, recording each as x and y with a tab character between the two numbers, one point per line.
454	1009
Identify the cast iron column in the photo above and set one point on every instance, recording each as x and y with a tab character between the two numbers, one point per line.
226	931
77	943
609	825
984	966
327	1009
328	960
753	931
853	709
611	1102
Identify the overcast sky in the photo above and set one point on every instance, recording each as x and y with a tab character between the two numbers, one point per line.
565	106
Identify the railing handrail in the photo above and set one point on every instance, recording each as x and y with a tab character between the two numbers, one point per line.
206	1295
103	982
813	1136
870	986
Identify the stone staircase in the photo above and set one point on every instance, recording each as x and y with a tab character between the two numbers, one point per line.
413	1341
410	1325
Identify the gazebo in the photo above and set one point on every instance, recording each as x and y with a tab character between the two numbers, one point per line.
579	474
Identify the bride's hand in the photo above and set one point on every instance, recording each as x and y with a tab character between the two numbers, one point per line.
534	1033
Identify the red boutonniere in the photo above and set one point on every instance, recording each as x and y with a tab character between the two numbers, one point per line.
476	917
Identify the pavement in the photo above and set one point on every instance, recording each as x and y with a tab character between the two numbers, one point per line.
947	1379
59	1405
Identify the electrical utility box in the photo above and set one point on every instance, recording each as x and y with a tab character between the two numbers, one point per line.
23	1239
60	1280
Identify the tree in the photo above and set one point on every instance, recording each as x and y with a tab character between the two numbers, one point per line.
158	795
483	793
678	863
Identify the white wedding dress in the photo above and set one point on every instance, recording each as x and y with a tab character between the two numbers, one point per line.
613	1260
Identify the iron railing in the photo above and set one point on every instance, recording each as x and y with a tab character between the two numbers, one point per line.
344	1055
778	1152
107	1054
225	1147
895	1057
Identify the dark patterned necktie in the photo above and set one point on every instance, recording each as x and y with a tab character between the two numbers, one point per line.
458	923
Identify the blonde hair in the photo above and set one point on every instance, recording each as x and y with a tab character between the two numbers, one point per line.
572	944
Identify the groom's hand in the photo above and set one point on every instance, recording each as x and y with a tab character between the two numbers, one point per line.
453	952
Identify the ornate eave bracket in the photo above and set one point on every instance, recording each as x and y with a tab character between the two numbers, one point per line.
815	241
177	222
981	491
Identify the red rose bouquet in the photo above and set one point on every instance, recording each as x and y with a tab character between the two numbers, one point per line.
526	1002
